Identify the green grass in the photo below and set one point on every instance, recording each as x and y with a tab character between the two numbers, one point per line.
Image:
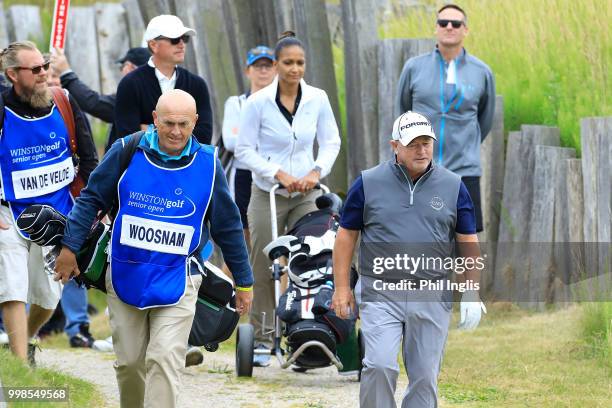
551	58
14	373
596	325
518	358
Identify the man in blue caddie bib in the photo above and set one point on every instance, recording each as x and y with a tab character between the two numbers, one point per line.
36	167
172	198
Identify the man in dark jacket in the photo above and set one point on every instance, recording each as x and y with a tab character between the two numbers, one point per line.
96	104
37	167
139	91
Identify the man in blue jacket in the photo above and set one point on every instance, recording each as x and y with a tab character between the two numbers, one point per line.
456	92
172	198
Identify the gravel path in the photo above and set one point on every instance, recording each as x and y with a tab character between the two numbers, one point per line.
214	384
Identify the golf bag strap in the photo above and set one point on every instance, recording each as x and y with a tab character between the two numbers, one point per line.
65	109
63	105
1	111
129	148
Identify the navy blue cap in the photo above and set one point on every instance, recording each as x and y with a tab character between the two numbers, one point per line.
137	56
259	52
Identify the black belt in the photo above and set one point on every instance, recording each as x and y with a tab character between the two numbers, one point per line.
4	203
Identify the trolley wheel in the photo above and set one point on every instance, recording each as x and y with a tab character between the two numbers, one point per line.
245	338
361	343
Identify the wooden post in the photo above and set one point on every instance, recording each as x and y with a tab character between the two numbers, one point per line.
502	275
313	30
82	46
516	206
596	135
284	15
491	187
492	179
361	83
135	22
539	268
24	24
4	36
392	55
266	17
152	8
112	43
569	236
210	56
245	32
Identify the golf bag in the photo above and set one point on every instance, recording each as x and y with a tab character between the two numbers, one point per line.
305	305
215	316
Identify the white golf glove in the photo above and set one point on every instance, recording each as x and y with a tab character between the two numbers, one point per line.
471	308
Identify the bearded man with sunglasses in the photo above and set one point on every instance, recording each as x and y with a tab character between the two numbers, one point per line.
138	92
36	167
456	92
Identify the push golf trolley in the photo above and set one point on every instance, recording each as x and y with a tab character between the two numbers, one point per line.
302	313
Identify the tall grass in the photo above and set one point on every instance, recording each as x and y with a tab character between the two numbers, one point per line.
551	58
597	330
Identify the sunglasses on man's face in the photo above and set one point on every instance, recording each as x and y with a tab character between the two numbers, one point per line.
175	41
455	23
36	70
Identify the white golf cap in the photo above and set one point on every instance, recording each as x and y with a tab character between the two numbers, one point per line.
168	26
410	125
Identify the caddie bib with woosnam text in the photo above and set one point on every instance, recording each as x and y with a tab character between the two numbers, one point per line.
158	226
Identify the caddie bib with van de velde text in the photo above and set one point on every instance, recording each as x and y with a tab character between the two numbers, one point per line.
35	162
158	226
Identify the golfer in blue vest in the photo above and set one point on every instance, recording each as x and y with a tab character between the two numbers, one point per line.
408	204
172	198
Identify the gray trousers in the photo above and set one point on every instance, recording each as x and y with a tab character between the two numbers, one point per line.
423	326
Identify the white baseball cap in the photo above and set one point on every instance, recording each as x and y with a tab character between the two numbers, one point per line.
168	26
410	125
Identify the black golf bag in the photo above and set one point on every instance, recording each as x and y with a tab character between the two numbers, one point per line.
305	305
215	316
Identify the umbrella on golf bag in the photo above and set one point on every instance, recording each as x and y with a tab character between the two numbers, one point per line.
45	226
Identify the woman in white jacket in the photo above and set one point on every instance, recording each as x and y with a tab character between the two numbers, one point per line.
278	126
